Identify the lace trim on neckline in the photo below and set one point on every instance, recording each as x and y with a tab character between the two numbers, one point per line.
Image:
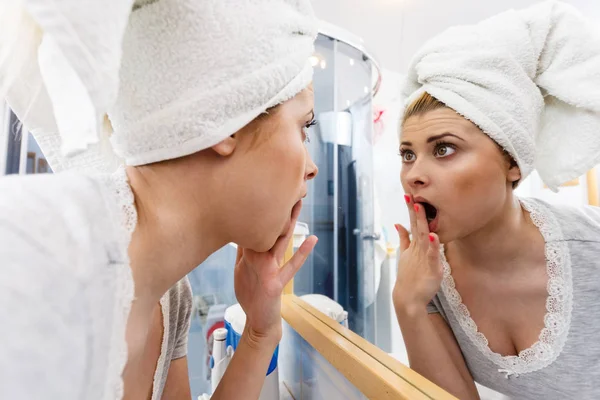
559	303
120	200
125	201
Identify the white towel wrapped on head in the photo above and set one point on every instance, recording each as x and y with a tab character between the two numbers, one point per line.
529	79
196	71
174	76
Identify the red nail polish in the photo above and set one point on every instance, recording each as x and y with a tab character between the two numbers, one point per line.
397	227
431	238
416	207
407	198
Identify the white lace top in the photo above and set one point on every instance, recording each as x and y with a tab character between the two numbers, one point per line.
66	289
566	358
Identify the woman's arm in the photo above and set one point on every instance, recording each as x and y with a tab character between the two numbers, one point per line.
434	353
432	349
245	375
259	281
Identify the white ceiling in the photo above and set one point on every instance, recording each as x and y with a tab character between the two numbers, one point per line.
393	30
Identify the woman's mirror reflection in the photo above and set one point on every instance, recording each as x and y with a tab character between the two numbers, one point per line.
493	288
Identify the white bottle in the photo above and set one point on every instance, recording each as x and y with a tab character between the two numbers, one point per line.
220	356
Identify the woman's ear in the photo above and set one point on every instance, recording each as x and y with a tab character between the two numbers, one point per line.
225	147
514	173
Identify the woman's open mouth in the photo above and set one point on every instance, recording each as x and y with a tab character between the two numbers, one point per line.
431	212
292	212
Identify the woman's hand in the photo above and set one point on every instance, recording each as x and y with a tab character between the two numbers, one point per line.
260	279
420	269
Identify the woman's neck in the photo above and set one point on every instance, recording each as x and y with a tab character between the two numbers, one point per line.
173	235
509	239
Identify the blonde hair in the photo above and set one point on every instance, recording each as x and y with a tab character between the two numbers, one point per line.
422	105
426	103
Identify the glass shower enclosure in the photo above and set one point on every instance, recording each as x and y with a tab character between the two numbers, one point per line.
339	208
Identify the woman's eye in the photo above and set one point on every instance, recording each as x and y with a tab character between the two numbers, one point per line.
407	156
444	150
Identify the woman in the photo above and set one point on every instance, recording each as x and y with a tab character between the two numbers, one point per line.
210	111
492	288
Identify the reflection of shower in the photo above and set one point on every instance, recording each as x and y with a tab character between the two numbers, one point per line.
339	206
336	131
